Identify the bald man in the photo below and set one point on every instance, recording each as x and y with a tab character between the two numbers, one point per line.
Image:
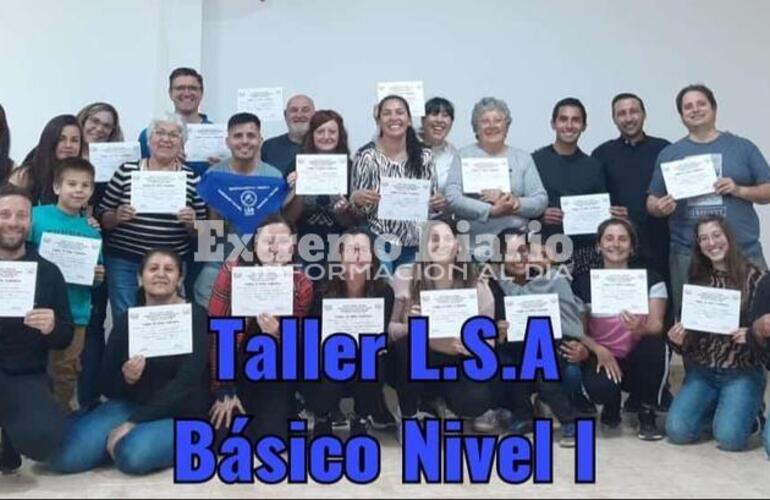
280	151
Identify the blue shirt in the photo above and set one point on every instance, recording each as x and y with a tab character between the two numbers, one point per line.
281	152
199	167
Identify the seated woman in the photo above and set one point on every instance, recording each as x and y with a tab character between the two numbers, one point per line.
135	427
724	381
269	403
438	269
628	351
760	314
355	277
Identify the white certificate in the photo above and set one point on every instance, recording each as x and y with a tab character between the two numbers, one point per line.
322	174
106	157
713	310
158	192
617	290
520	308
413	92
690	177
584	213
17	288
206	140
75	256
155	331
404	199
353	316
448	310
485	173
265	102
262	289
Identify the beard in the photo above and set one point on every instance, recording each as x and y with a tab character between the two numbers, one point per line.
11	243
299	128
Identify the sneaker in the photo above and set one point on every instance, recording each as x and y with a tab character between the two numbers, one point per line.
610	417
337	418
359	426
567	439
10	459
521	427
486	423
648	428
322	426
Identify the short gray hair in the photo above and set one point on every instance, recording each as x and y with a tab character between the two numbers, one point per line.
489	104
173	118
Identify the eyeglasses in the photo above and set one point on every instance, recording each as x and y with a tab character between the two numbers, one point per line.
98	123
186	88
163	134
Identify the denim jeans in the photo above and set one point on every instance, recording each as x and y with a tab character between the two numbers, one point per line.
766	437
148	447
122	283
732	398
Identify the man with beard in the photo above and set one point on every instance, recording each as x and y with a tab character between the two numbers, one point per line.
30	416
280	151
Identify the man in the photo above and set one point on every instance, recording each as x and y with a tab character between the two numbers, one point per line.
30	416
244	140
743	179
280	151
567	171
185	89
628	163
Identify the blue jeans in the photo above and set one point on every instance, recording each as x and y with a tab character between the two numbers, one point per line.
148	447
766	437
122	283
731	397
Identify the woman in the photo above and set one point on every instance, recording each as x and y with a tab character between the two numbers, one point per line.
438	269
135	427
128	234
353	278
724	380
628	351
494	210
6	164
436	125
61	138
270	403
100	123
396	152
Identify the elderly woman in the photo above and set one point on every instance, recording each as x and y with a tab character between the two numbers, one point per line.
128	234
495	210
436	125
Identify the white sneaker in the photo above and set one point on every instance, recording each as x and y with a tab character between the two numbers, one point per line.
486	423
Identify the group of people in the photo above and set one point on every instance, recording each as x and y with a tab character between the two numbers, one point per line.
75	402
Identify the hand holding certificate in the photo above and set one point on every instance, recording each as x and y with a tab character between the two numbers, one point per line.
17	288
584	213
353	316
262	289
322	174
265	102
518	309
448	310
158	191
75	256
713	310
205	140
690	177
404	199
412	92
155	331
106	157
480	174
616	290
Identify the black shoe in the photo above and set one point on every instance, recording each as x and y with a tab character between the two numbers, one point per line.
359	426
610	417
10	459
338	419
322	426
648	428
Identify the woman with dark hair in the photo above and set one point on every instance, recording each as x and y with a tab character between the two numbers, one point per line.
355	277
436	125
626	351
270	403
61	138
135	427
6	164
396	152
724	380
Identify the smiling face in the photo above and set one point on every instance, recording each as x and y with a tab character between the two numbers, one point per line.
492	129
516	257
299	110
628	117
436	127
74	188
568	125
697	111
69	143
616	245
326	138
98	127
160	277
15	219
186	93
244	141
442	244
713	242
166	142
394	119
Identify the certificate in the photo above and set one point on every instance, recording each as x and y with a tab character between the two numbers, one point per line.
155	331
485	173
583	214
322	174
106	157
690	177
404	199
713	310
75	256
206	140
617	290
448	310
353	316
520	308
17	288
158	192
262	289
413	92
265	102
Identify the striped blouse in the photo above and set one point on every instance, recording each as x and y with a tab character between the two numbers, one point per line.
131	240
369	166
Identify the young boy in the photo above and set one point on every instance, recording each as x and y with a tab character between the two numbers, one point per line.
74	185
